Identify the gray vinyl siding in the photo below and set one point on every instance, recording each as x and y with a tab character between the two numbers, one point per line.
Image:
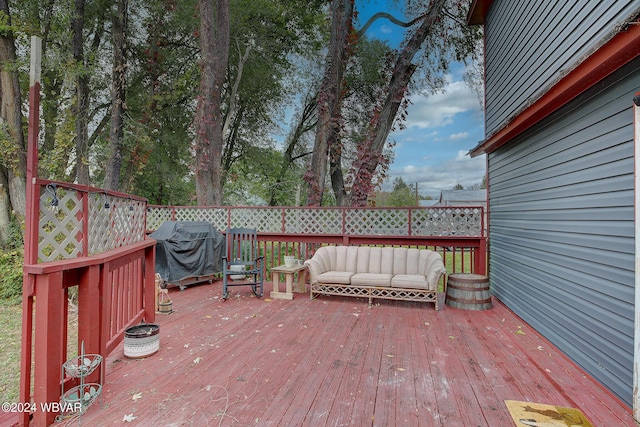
531	44
561	229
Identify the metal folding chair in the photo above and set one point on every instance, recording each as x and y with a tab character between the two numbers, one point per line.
242	250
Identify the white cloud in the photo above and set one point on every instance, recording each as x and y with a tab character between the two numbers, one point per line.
432	150
440	109
459	135
461	169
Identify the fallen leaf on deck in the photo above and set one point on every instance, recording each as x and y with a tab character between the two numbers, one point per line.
128	418
136	396
197	360
452	337
390	355
401	369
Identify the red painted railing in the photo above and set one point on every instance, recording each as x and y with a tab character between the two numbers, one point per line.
93	240
116	288
460	254
457	233
113	294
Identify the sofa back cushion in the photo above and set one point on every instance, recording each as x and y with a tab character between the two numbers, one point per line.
374	260
387	260
326	258
363	260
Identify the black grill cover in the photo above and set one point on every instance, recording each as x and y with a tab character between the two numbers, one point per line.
187	249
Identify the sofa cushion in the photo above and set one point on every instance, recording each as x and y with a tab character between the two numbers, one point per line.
362	265
371	279
337	277
410	281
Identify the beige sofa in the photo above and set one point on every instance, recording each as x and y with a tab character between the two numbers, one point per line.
373	272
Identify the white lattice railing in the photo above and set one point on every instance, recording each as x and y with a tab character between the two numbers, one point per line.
431	221
79	221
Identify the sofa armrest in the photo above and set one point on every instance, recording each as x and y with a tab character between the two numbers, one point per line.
434	278
315	269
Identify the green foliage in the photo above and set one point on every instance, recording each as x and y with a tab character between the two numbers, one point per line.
284	41
251	180
11	275
401	195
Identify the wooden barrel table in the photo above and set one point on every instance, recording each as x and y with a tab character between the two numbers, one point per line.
468	291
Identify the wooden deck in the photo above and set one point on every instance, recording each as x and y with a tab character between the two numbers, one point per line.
334	361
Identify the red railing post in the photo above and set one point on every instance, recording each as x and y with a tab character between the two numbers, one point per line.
31	225
149	284
90	310
27	343
481	257
49	325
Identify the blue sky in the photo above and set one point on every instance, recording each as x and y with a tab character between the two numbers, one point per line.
441	128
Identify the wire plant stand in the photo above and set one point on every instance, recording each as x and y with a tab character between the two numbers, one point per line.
76	400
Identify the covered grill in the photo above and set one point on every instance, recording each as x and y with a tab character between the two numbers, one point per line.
188	252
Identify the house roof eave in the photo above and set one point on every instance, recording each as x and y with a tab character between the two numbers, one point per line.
478	12
618	51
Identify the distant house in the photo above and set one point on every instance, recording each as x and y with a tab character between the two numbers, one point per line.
562	150
427	203
463	198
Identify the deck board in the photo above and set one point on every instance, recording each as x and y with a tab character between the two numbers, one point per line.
335	361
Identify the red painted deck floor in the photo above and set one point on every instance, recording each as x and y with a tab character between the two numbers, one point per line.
334	361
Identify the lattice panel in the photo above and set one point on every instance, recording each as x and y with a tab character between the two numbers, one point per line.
112	222
127	218
157	216
263	220
115	222
60	224
438	221
100	223
387	222
313	221
216	216
459	221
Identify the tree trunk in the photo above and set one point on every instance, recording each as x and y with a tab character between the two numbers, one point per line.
82	95
337	178
370	151
52	84
5	208
11	118
214	47
118	98
330	98
304	124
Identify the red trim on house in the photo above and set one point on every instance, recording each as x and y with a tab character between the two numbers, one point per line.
620	50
